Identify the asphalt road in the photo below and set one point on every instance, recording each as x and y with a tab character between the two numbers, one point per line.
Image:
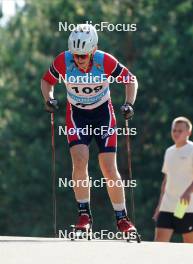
14	250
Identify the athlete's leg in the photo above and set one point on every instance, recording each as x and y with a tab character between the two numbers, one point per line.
80	156
188	237
163	234
79	151
107	143
109	170
115	189
78	143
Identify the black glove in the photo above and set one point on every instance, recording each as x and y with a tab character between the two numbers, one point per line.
127	110
52	105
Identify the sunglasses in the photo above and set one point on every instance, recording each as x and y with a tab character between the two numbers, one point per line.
84	56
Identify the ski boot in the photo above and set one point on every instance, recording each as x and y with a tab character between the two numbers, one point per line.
83	227
129	231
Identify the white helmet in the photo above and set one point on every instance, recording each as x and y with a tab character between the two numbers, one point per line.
83	39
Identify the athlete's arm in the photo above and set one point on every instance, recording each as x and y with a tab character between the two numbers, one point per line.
47	90
131	92
160	198
51	77
121	75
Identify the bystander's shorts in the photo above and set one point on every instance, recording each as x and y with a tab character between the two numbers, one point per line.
168	220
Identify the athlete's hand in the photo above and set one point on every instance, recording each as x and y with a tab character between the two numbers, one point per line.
185	197
52	105
127	110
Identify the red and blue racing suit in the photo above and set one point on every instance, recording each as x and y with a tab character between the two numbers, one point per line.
88	97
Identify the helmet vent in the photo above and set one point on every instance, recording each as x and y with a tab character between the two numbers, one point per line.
83	44
78	44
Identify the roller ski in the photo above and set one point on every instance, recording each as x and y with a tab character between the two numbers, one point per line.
126	227
83	228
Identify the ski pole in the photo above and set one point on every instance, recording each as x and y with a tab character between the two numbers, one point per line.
128	145
53	175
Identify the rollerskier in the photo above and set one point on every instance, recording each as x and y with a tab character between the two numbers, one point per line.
89	104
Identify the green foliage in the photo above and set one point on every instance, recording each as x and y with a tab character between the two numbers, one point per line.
158	53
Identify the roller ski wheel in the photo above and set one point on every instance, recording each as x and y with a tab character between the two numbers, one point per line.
133	237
